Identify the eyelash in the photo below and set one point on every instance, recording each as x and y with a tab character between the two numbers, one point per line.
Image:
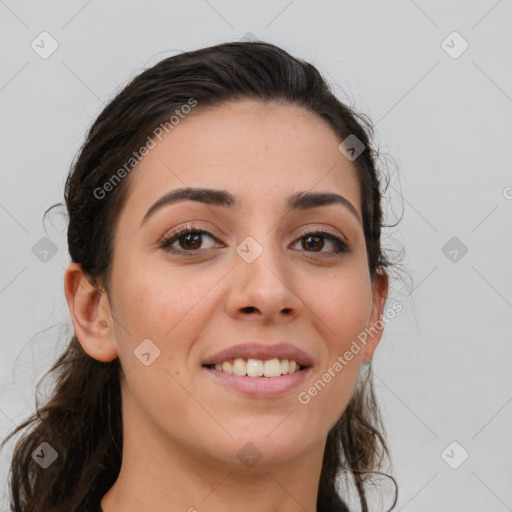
166	243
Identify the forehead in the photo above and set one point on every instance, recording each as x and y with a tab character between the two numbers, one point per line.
255	150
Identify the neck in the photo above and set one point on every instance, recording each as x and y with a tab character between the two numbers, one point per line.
181	478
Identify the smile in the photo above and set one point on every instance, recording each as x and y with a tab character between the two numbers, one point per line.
258	385
271	368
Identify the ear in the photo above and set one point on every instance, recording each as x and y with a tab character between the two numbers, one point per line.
375	327
90	312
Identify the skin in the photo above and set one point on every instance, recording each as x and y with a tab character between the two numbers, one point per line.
183	430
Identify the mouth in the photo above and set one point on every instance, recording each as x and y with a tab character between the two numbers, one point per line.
257	377
261	368
254	368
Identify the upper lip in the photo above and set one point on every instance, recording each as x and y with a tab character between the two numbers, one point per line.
256	350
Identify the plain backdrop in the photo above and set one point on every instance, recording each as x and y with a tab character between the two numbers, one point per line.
436	80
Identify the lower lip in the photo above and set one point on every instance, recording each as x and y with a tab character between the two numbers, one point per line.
260	386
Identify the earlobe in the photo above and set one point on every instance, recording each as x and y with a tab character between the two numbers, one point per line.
375	327
90	313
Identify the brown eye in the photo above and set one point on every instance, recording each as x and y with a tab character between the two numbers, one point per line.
315	242
189	240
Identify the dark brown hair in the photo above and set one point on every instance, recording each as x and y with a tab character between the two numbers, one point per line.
82	420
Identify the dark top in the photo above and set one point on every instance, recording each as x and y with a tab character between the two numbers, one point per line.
93	502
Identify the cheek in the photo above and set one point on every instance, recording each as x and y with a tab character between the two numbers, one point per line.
161	304
341	311
342	305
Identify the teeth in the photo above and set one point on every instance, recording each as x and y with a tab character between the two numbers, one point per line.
272	368
258	367
239	367
254	367
227	367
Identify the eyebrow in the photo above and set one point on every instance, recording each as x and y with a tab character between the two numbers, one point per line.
297	201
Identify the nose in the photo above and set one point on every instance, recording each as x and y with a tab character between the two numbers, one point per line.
264	288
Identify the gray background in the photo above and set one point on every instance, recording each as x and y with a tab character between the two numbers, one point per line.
444	117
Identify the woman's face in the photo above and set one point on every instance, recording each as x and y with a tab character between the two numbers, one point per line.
254	277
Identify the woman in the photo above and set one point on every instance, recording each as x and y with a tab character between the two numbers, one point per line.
226	289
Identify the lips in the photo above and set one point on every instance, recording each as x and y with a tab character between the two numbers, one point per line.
257	350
